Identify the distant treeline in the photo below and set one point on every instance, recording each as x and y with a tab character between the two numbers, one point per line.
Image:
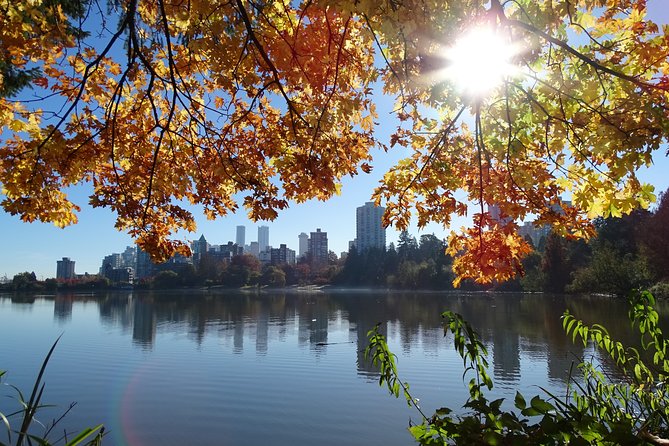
630	252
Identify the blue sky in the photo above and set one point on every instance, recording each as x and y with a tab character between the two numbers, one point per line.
37	246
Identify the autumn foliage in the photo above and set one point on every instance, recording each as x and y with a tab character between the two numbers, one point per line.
163	104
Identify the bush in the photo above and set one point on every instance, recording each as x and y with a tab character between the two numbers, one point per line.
632	411
611	273
660	290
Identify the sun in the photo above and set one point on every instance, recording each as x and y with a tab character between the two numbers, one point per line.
479	61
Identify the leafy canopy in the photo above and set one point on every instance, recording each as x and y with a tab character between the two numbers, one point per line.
260	103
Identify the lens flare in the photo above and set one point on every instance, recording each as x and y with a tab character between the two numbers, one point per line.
479	61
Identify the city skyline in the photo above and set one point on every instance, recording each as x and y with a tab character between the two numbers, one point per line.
37	246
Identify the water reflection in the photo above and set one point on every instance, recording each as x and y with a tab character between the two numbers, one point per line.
62	308
517	328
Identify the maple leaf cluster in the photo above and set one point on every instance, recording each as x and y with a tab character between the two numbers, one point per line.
257	104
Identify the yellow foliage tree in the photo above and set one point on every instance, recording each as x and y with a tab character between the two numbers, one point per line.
202	102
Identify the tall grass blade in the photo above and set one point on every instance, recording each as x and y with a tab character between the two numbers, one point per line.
35	397
83	435
5	421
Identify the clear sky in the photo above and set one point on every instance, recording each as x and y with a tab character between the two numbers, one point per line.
37	246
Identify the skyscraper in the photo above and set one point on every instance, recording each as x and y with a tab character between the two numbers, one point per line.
369	229
65	268
303	246
263	238
240	240
318	247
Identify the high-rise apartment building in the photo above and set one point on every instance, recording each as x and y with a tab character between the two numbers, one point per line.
303	246
369	229
145	267
318	247
109	263
240	239
254	249
263	238
65	268
129	257
282	255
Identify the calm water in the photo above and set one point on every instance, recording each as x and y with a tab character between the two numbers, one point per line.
286	369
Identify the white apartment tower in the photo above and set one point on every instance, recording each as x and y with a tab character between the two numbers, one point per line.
369	229
303	248
263	238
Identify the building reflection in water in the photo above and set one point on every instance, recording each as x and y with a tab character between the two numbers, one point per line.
521	331
144	322
262	331
62	307
238	337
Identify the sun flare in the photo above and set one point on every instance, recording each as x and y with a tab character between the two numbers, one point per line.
479	61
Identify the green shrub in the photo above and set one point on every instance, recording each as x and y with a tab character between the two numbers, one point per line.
660	290
632	411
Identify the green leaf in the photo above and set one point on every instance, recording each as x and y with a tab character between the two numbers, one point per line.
530	412
541	405
520	401
418	431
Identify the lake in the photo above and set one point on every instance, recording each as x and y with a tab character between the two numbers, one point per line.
232	368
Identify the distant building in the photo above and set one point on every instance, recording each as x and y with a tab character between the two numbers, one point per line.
318	247
535	233
65	269
495	212
265	256
177	263
120	275
369	229
145	267
263	238
559	207
281	255
129	257
303	247
240	238
254	249
199	248
225	252
110	262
